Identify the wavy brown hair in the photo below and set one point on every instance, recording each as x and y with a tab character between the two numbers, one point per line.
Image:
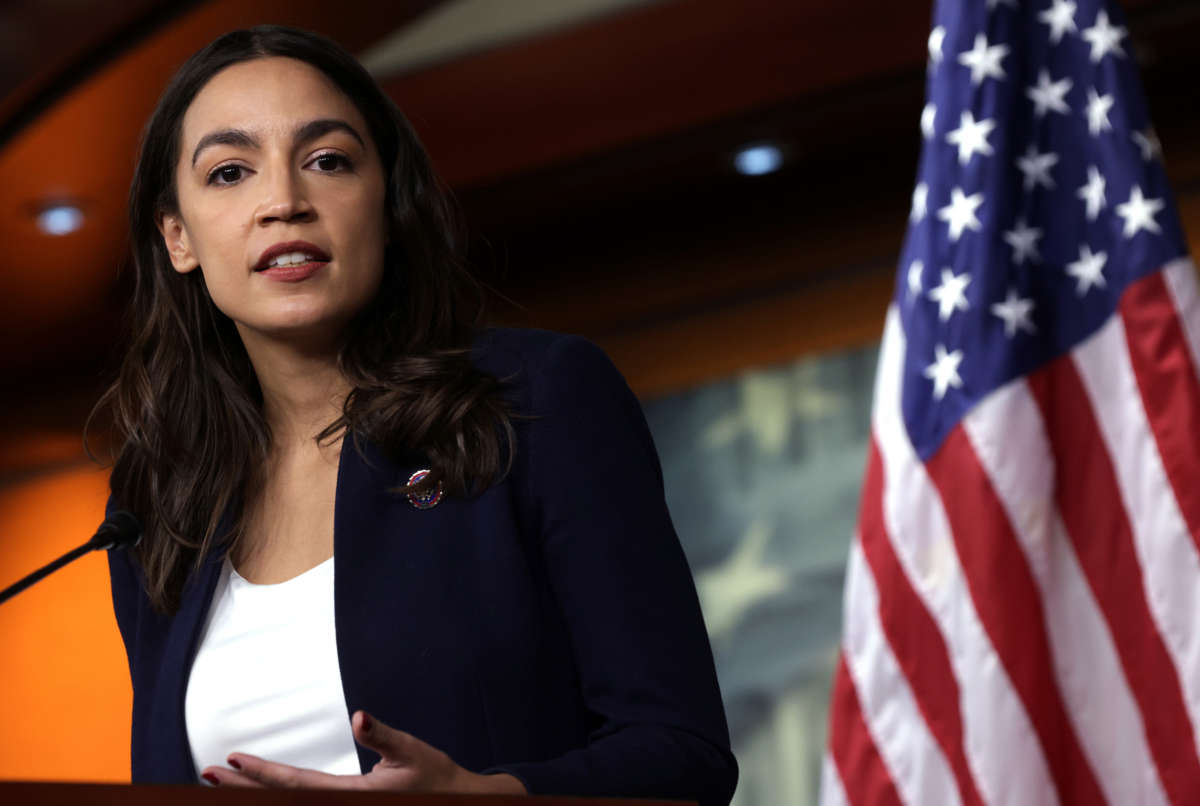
190	438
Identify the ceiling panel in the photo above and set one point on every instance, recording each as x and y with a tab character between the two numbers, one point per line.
457	28
650	72
47	45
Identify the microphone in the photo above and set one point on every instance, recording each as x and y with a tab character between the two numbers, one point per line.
119	530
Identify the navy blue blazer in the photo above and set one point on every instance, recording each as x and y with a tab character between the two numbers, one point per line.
548	627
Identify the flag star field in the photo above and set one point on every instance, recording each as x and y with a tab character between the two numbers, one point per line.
1042	221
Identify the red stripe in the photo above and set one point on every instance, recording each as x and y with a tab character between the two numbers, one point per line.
1009	605
865	778
912	633
1169	388
1089	499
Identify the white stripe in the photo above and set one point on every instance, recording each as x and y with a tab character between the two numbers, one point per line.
832	793
1180	276
913	758
1001	748
1166	553
1009	438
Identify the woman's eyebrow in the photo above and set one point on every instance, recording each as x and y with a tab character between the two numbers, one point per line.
322	126
304	133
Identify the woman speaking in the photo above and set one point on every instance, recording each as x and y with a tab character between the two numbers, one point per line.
385	547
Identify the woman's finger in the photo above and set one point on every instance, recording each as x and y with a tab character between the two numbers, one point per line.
274	774
391	744
223	776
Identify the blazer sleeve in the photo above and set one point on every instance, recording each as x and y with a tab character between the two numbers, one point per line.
625	591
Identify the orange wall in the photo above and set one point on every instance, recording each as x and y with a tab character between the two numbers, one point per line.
64	684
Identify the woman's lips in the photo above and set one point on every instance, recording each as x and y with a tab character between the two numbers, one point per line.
294	273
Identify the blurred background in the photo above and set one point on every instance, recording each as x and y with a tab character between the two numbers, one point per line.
715	191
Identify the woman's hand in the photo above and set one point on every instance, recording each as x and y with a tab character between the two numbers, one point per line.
406	764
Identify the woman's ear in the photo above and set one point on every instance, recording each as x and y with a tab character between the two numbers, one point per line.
176	239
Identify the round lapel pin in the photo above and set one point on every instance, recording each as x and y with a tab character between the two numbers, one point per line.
430	499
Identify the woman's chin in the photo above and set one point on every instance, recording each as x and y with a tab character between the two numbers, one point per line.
307	330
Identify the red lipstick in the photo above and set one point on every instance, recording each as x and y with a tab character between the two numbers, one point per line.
293	272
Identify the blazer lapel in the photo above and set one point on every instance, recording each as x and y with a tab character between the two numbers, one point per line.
168	736
360	505
400	586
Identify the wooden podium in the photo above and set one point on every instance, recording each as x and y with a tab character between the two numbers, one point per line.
53	794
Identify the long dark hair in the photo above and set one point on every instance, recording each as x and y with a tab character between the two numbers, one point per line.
190	438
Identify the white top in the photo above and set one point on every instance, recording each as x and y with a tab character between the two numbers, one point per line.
265	680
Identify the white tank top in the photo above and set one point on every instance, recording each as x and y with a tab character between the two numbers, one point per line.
265	680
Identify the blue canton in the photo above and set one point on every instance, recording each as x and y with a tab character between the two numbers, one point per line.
1040	197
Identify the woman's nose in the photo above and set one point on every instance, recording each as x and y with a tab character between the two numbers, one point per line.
284	197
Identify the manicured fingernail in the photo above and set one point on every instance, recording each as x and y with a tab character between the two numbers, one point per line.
366	721
233	762
212	779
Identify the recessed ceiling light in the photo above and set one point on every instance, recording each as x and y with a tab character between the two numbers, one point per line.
758	160
60	219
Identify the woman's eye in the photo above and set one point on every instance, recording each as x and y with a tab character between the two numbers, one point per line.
326	163
331	162
225	175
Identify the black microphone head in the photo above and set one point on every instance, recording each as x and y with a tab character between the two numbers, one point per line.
119	530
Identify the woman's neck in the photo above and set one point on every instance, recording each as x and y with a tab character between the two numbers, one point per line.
303	390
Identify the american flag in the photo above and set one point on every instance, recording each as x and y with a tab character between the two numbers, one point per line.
1022	606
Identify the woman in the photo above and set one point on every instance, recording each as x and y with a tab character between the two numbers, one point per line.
383	548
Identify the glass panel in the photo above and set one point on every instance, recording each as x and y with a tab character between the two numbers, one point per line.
762	476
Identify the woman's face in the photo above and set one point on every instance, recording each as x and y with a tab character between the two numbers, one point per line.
271	151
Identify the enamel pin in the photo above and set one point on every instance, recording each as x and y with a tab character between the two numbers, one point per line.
430	499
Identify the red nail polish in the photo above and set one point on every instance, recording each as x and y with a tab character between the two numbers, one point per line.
366	721
233	762
212	779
